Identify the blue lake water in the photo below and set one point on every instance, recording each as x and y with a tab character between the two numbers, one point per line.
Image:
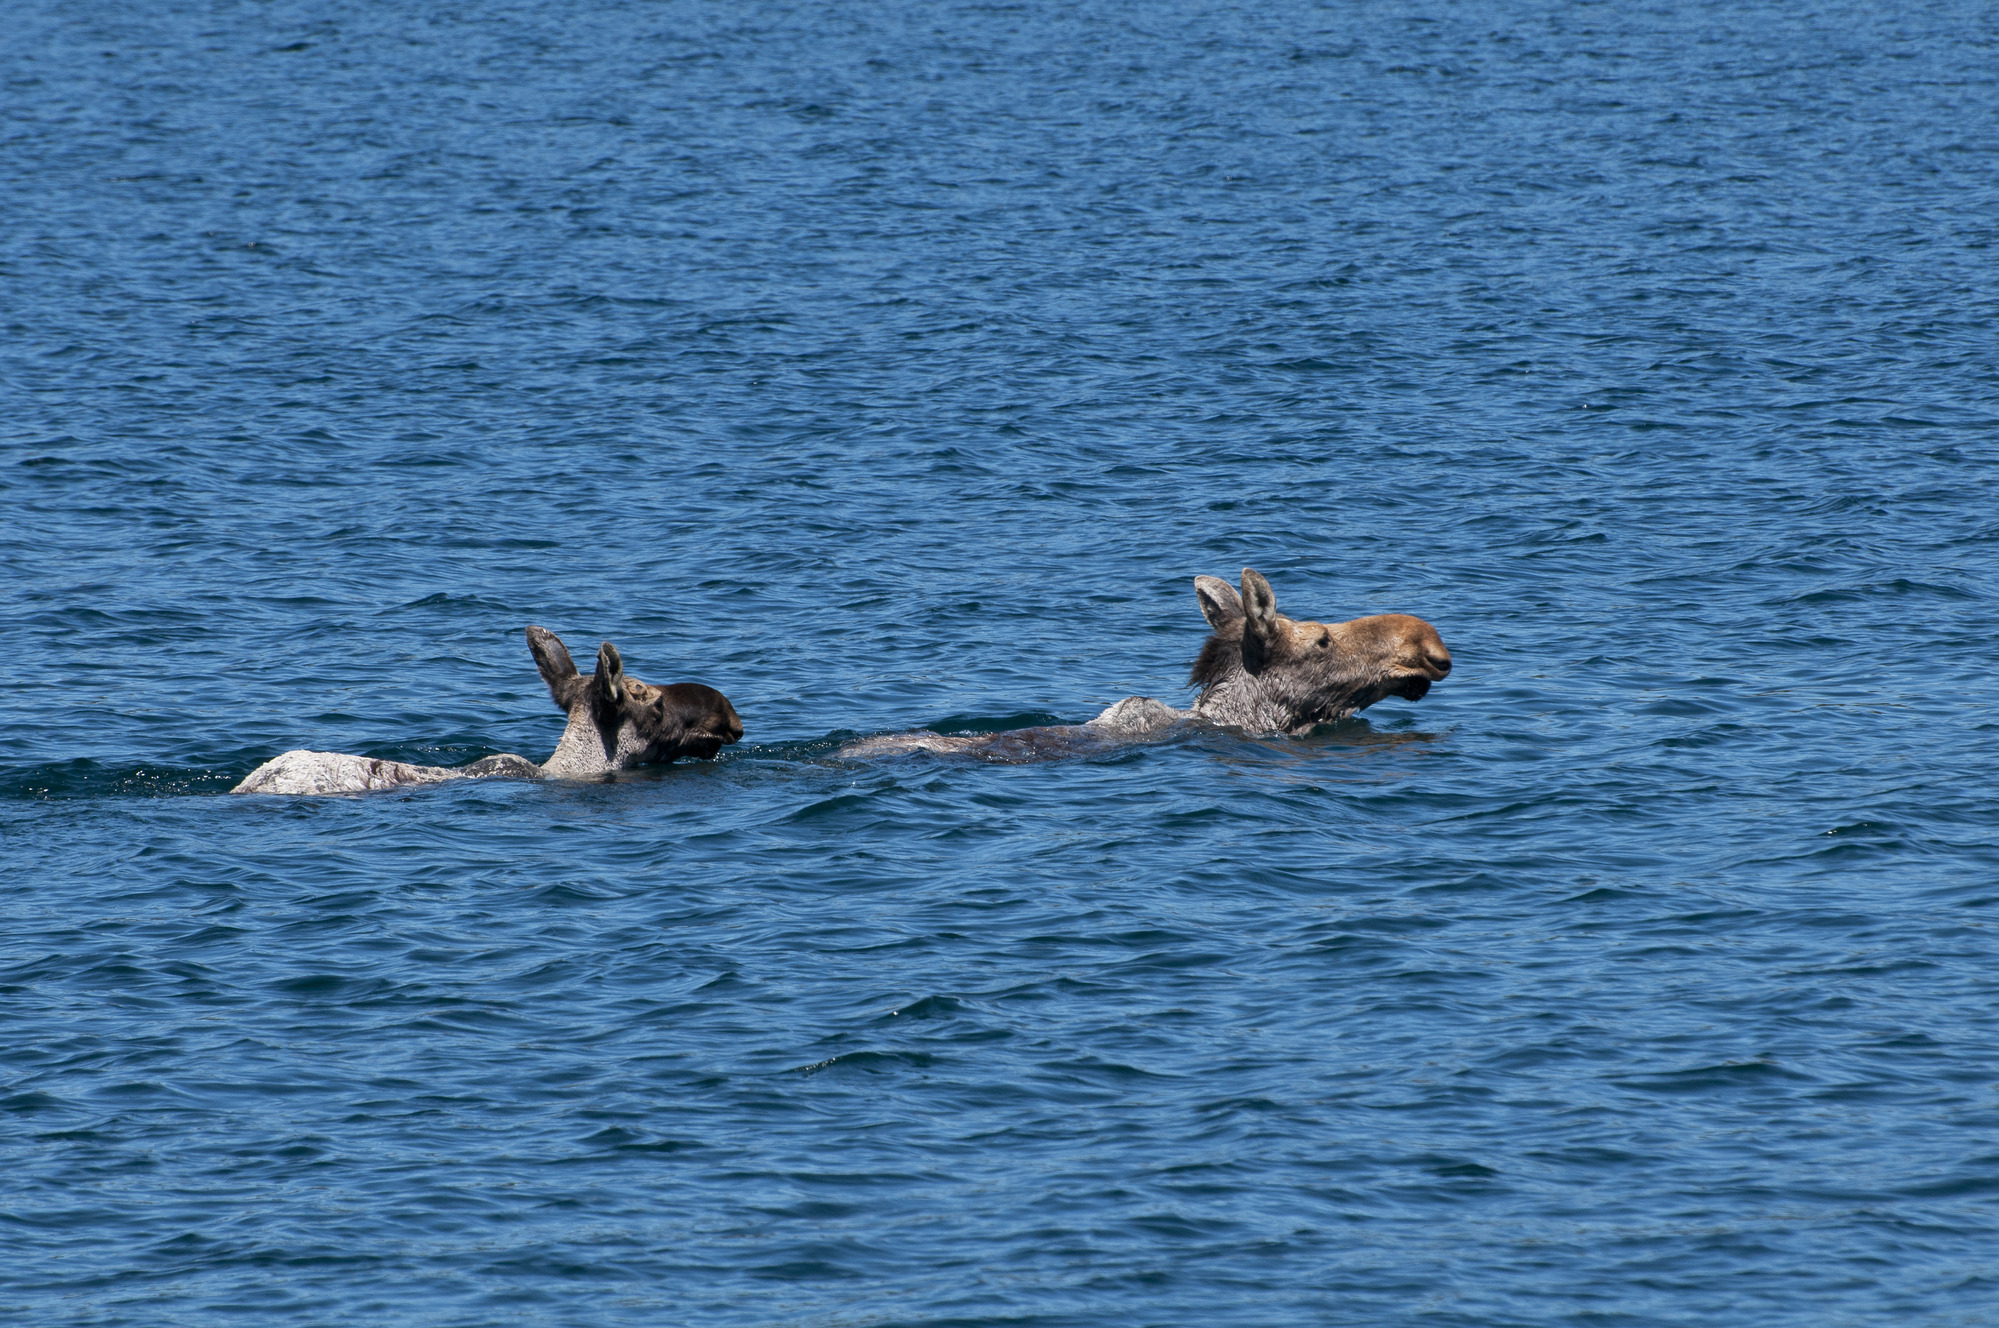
891	366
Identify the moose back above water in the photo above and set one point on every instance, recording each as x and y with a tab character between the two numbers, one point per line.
1258	671
616	723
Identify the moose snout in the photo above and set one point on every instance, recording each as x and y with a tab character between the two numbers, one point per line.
1438	663
722	725
715	731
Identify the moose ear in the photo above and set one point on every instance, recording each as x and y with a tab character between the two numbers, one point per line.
552	658
610	674
1259	620
1220	605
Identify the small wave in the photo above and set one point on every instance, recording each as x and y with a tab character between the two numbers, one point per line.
1712	1078
1900	587
1023	719
930	1007
876	1061
472	604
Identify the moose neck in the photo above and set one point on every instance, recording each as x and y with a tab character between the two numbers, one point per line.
587	749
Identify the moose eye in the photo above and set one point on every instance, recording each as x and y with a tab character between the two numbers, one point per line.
1325	639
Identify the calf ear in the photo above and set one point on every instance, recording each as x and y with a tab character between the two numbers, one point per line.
552	658
1259	620
610	674
1220	605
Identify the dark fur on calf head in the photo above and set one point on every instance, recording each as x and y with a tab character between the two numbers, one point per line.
634	721
690	719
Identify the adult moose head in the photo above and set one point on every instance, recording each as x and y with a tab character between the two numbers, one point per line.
616	722
1262	671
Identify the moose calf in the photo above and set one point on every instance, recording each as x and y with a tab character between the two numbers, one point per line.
616	722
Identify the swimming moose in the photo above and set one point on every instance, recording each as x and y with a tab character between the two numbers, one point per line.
1258	670
616	722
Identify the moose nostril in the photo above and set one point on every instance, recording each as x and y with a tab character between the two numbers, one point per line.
1441	663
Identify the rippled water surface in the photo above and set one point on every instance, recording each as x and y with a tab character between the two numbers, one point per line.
895	366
